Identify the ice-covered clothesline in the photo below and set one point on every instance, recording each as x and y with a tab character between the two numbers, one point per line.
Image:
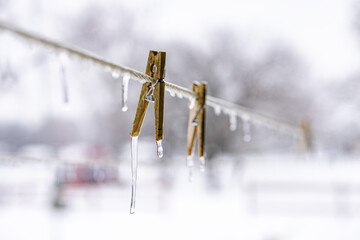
219	105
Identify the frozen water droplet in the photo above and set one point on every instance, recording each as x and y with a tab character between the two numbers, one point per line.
160	149
172	93
202	163
108	69
134	165
190	165
115	73
124	89
192	103
179	95
247	138
233	121
217	110
246	129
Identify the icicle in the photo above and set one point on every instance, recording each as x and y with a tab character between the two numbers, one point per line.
160	149
233	121
202	163
192	103
172	93
134	163
64	85
217	110
179	94
63	62
124	89
246	128
115	73
190	165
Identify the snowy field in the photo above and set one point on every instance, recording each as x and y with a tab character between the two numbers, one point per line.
257	197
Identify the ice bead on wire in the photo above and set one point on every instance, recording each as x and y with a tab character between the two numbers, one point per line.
115	73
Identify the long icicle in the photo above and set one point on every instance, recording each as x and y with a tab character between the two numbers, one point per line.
124	91
134	164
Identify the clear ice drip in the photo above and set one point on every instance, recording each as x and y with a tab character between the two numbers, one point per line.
160	149
190	165
246	130
134	164
202	163
233	121
124	92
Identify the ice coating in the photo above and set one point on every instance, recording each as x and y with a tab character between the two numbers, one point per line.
134	164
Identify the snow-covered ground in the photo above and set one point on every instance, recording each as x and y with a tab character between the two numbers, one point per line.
255	197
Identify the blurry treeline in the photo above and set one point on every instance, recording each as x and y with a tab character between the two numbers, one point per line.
275	83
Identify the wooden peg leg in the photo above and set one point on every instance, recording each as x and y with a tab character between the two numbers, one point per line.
201	119
191	132
201	132
159	94
140	111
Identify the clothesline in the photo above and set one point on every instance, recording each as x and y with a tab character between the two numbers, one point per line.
219	105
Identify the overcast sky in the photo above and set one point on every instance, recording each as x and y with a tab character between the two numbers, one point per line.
320	31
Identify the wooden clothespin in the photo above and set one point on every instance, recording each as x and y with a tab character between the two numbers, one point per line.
197	125
152	92
307	136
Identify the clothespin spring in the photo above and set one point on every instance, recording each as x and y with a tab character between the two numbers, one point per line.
194	121
151	98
